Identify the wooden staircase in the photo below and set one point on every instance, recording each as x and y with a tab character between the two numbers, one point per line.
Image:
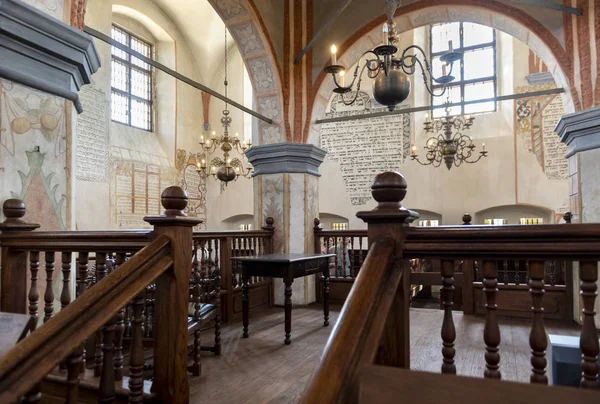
367	356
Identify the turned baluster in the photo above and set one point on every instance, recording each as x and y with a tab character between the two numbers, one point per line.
65	296
147	313
360	254
588	342
106	390
344	248
119	330
74	366
98	354
505	268
216	266
517	274
491	331
136	359
49	293
34	294
552	273
448	330
81	279
537	337
351	257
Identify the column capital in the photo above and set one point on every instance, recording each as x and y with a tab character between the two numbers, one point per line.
580	131
281	158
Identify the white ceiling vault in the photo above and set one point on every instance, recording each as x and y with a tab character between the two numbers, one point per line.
203	29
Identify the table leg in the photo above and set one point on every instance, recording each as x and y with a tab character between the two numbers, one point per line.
288	310
245	302
326	295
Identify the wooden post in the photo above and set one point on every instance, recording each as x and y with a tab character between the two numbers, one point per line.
270	248
13	295
317	230
226	278
390	219
170	382
467	269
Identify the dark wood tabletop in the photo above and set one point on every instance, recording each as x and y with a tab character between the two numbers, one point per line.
283	258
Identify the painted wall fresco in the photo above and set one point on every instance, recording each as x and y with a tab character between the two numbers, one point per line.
272	206
135	186
535	120
33	153
188	178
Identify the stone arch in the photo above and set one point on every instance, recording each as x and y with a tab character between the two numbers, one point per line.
248	31
496	15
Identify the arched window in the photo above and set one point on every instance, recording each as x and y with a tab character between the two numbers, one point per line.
131	82
476	76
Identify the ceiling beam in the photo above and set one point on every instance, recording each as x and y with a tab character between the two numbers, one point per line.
428	107
338	11
173	73
551	5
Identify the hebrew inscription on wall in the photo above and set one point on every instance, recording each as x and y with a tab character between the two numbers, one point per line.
93	136
135	191
535	121
364	147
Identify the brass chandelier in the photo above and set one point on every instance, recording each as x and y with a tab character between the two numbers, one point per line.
225	169
391	85
451	148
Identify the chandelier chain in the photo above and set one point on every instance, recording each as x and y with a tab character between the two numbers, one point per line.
226	83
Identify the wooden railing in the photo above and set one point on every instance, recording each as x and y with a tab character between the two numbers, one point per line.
376	317
351	247
163	258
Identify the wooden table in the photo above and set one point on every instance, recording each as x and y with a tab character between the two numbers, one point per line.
288	267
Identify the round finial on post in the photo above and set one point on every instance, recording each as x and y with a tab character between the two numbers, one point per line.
14	210
269	222
317	224
389	189
174	199
467	219
568	217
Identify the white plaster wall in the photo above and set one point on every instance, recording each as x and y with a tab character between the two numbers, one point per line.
178	106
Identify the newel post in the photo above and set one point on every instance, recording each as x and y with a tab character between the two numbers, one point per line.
13	292
170	382
317	229
389	219
269	226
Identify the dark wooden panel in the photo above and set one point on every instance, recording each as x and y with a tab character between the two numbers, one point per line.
338	289
380	385
515	301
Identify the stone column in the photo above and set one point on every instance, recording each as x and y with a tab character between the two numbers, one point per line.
287	189
580	131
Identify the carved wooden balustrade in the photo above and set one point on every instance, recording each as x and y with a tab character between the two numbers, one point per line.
351	248
45	273
373	326
161	257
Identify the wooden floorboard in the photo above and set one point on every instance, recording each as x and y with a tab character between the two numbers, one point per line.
262	369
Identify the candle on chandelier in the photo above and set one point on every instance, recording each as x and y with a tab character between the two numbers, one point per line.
444	69
214	134
386	35
450	47
333	54
342	76
213	170
471	141
201	139
483	146
228	163
203	163
249	166
413	150
237	170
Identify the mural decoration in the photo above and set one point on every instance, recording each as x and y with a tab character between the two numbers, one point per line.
50	7
535	120
135	187
195	186
363	148
33	154
272	197
40	193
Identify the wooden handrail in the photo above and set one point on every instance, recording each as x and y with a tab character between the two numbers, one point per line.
230	233
355	338
556	241
32	359
80	241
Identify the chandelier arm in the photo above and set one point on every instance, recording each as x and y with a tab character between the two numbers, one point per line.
368	62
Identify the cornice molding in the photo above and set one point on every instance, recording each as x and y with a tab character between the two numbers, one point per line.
540	78
41	52
580	131
286	157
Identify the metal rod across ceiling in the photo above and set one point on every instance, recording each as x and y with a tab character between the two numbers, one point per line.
428	107
178	76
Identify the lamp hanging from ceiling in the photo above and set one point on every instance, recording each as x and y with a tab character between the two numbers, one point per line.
391	85
225	169
451	148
